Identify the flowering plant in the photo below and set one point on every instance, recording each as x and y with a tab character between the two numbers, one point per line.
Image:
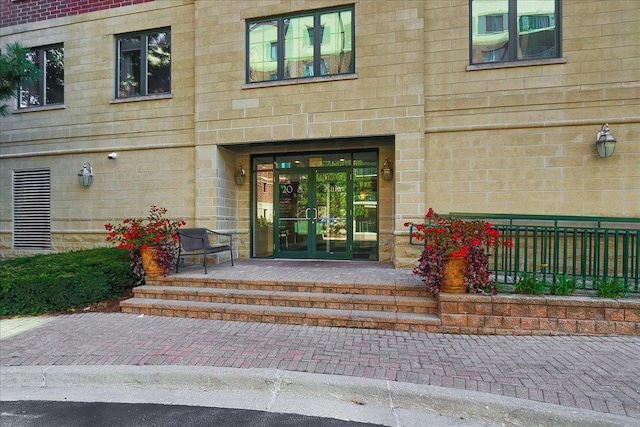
156	231
449	237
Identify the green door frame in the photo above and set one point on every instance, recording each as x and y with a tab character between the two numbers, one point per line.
292	234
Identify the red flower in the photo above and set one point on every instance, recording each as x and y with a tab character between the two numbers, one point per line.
451	237
460	253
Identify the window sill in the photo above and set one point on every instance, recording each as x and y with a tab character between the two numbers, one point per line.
38	108
527	63
288	82
141	98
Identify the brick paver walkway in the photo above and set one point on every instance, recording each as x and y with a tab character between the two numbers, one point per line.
597	373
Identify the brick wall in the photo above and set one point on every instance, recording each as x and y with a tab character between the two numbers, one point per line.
538	315
14	12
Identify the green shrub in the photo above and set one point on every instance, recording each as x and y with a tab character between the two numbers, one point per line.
55	282
528	284
610	288
500	288
563	285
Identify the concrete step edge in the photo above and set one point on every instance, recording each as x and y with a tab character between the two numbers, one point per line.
264	310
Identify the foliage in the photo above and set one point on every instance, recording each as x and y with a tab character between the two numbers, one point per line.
529	284
563	285
155	231
264	222
15	69
55	282
610	288
450	237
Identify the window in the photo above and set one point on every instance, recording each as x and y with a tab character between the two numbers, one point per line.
49	88
514	30
316	43
144	63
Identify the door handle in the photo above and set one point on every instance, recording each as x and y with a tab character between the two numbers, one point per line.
315	214
306	213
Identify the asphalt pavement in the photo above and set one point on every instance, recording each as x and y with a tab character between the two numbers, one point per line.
371	376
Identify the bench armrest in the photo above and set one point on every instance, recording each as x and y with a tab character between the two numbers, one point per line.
219	233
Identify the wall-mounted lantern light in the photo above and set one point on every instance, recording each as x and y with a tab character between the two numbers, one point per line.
85	177
605	142
387	172
240	175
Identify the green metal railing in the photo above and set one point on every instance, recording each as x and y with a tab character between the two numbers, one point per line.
583	248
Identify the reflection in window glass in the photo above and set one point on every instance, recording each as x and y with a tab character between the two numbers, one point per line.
511	30
336	47
536	29
129	77
263	214
313	44
144	65
365	213
49	88
263	51
159	62
365	158
298	47
55	76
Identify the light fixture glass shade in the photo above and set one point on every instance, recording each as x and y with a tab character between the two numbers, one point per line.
387	172
240	175
605	142
85	177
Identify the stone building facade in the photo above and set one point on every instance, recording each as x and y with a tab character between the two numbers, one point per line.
460	132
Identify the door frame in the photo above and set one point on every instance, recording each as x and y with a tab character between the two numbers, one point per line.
312	217
264	220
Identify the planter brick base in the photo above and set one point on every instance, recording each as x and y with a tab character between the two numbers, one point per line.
537	315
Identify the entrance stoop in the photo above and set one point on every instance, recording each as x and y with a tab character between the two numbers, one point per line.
345	294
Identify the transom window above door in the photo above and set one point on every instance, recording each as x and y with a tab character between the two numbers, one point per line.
316	43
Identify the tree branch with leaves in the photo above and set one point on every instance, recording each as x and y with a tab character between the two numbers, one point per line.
15	70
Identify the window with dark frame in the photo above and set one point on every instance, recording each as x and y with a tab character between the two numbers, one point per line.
144	63
49	88
285	47
514	30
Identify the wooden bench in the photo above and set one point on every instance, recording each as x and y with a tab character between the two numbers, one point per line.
198	242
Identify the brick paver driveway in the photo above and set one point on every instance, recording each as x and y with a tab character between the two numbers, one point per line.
597	373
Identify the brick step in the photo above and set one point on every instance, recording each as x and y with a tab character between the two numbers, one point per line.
366	319
403	304
405	290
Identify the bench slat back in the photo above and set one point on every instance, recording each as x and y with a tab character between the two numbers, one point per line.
193	239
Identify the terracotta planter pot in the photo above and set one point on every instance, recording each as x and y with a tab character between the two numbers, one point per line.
453	281
151	266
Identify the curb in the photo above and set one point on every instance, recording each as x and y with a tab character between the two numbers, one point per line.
383	402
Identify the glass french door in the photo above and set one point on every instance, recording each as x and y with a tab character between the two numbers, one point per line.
314	213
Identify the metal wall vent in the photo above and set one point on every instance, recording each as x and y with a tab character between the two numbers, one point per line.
32	209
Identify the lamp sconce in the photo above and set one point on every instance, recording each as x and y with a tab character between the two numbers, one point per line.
240	175
605	142
387	172
85	177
